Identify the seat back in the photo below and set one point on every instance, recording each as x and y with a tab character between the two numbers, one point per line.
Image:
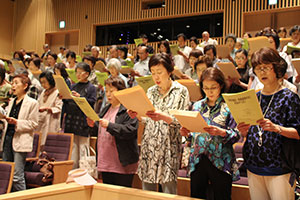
6	176
59	146
36	146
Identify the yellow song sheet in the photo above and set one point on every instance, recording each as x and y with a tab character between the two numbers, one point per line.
135	99
191	120
100	66
62	87
296	64
284	41
72	75
223	51
86	108
193	88
145	82
229	70
257	43
244	107
101	77
138	41
177	72
126	69
290	49
174	49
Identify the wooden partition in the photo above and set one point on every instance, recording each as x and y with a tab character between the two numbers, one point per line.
98	191
34	18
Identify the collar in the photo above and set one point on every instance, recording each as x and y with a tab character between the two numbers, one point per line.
174	85
218	102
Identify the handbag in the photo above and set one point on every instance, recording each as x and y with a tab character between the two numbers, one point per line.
89	163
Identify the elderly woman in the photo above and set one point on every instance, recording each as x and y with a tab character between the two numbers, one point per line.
266	142
160	148
114	68
50	106
21	121
117	139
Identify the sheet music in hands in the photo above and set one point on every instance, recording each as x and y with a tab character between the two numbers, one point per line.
62	87
191	120
229	70
244	107
135	99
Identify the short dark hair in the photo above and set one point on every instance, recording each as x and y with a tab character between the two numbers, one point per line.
268	55
194	39
294	29
24	79
162	58
143	36
232	36
72	54
275	38
90	58
62	68
124	49
116	82
282	29
213	74
21	57
166	44
203	60
53	55
244	51
84	67
181	35
196	53
62	48
49	77
2	74
36	62
209	47
249	35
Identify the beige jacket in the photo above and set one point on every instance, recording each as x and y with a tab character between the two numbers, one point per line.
49	122
27	122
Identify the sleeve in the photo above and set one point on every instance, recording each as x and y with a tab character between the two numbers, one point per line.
232	134
57	106
91	95
31	123
125	130
293	110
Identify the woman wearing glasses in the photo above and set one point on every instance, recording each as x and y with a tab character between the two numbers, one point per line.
268	175
212	160
75	120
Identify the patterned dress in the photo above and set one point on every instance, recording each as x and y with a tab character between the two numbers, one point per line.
218	149
161	143
267	159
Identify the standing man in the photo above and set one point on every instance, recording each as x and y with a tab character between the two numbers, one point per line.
207	40
181	60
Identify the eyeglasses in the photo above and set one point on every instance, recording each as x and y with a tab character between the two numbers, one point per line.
211	89
239	58
262	69
79	73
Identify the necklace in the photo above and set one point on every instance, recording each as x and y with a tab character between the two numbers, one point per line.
260	131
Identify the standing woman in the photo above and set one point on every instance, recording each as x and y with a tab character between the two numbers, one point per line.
161	142
75	120
50	106
17	137
212	159
265	142
117	149
71	58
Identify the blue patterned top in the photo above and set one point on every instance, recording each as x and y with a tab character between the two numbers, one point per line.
218	149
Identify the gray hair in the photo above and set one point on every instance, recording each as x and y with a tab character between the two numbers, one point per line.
95	48
114	62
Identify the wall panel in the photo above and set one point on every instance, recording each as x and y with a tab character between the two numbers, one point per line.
6	33
82	15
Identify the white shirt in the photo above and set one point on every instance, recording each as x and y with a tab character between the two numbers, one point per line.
209	41
142	67
179	60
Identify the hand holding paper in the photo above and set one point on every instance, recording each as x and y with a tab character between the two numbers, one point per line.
135	99
62	87
86	108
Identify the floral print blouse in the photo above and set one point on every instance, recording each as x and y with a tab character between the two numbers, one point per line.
218	149
161	143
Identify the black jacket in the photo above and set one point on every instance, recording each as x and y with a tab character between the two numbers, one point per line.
125	131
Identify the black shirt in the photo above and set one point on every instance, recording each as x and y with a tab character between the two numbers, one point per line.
14	113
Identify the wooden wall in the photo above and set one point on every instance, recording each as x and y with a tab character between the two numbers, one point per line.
35	18
6	21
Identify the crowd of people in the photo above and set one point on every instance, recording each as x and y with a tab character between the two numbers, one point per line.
35	105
